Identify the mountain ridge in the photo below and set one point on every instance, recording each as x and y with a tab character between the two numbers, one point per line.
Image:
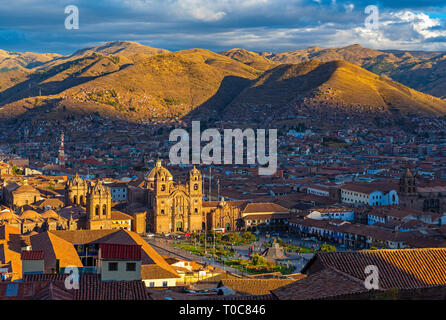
125	79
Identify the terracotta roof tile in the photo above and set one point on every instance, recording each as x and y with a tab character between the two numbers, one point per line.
402	268
32	255
120	251
326	283
255	286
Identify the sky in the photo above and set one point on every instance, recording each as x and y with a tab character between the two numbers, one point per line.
217	25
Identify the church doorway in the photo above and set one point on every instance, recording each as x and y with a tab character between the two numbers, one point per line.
179	226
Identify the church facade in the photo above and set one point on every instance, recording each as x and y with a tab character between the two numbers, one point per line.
174	207
428	199
171	207
97	201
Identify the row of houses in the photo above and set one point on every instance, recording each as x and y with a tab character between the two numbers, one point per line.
111	255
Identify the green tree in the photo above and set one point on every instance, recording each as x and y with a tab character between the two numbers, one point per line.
327	248
258	260
16	170
248	236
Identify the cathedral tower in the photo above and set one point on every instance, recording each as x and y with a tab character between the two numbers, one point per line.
76	191
195	186
407	184
98	207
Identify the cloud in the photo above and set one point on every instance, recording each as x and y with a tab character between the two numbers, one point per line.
274	25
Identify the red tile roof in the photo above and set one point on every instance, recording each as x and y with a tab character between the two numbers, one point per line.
402	268
324	284
120	251
32	255
90	288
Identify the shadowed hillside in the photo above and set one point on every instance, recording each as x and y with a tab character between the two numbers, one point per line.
127	80
137	86
336	83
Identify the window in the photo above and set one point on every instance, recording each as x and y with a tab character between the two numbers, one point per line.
164	283
112	266
195	187
152	284
131	266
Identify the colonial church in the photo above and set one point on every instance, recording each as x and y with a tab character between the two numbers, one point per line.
174	207
171	207
428	199
97	200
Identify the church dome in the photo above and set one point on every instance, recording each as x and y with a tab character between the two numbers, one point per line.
30	215
9	216
50	214
158	170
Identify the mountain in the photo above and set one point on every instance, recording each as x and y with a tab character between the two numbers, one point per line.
128	80
249	58
420	70
355	54
123	48
426	75
23	60
124	80
16	66
334	84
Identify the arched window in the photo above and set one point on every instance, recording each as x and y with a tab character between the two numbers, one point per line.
75	199
104	209
81	200
97	210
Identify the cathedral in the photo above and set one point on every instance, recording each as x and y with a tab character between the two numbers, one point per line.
173	207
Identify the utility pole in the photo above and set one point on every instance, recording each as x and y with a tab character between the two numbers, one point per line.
218	189
205	221
210	183
214	247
